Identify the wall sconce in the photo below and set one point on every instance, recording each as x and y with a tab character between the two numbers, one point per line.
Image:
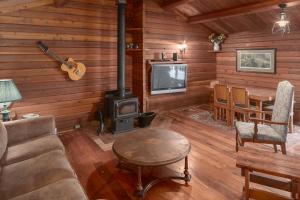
182	47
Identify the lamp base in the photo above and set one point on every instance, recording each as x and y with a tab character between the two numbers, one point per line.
5	113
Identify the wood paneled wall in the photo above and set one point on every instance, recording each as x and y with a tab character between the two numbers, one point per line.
84	30
166	30
287	60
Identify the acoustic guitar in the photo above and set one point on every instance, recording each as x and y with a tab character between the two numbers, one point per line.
75	70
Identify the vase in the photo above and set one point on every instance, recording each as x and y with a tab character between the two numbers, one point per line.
216	46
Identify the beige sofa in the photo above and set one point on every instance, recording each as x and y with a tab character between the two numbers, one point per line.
33	163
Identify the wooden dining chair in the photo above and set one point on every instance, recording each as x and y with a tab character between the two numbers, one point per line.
239	99
222	103
272	131
211	94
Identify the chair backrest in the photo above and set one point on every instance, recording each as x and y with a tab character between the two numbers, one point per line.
239	97
282	106
221	93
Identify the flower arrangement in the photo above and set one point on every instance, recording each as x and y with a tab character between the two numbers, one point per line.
214	38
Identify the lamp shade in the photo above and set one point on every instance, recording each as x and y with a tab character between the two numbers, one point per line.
8	91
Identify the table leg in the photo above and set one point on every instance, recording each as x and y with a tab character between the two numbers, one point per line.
298	189
247	183
139	185
187	176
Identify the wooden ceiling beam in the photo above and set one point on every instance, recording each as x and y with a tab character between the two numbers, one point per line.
168	5
240	10
60	3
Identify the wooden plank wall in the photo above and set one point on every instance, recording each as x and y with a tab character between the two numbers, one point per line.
166	30
84	30
287	60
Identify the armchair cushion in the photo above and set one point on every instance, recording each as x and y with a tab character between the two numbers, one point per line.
265	132
32	174
21	130
31	148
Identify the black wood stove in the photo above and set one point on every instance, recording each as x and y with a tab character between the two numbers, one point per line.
122	106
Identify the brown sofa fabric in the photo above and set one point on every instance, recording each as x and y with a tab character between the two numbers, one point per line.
21	130
32	174
31	148
56	191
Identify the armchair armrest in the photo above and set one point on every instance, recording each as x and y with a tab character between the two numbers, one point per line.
256	121
26	129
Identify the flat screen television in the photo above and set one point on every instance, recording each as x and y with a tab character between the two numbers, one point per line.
168	78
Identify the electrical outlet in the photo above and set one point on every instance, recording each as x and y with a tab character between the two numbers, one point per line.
77	126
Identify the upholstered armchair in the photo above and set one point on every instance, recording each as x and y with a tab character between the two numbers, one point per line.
272	131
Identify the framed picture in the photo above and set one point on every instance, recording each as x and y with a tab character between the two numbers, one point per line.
256	60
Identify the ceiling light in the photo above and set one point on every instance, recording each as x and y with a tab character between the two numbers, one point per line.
282	25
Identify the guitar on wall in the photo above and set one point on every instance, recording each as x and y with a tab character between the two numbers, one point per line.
75	70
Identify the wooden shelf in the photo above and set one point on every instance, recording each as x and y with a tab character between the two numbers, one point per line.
165	62
134	29
132	50
215	51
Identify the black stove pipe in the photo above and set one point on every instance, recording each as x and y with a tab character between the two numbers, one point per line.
121	47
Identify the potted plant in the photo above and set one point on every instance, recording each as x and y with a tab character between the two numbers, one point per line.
216	40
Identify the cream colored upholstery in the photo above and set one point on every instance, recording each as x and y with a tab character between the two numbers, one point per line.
265	132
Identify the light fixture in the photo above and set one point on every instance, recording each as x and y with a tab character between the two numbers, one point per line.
182	47
283	25
8	93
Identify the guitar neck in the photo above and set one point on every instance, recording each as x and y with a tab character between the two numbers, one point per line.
56	57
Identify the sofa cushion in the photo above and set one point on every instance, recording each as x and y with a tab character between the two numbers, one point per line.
3	139
32	148
66	189
23	177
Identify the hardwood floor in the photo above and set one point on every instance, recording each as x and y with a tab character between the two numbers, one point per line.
211	164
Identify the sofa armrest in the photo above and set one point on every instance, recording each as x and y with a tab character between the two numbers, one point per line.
26	129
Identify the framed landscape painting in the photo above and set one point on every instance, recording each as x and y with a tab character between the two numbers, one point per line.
256	60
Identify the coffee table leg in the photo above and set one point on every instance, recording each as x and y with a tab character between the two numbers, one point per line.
187	176
139	185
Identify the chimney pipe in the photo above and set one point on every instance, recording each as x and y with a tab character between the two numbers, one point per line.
121	47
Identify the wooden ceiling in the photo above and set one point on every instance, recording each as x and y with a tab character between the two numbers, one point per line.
231	16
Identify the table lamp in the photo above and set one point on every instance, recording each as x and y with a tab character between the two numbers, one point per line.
8	93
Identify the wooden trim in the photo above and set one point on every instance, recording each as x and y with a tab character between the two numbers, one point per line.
240	10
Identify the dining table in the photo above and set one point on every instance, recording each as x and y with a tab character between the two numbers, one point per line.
257	95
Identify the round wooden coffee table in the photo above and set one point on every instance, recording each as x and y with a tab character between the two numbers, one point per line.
153	147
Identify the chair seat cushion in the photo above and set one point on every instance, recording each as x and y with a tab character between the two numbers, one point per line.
31	174
265	132
32	148
66	189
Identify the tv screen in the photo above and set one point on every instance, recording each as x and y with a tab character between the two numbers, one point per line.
168	78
